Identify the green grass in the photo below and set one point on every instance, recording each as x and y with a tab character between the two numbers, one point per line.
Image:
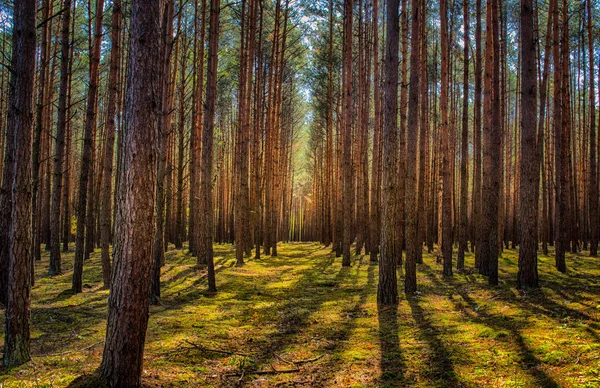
303	305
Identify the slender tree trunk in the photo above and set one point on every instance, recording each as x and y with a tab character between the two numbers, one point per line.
593	172
560	156
86	159
446	211
59	145
115	69
464	155
158	250
207	141
40	119
194	195
348	189
476	220
412	238
375	211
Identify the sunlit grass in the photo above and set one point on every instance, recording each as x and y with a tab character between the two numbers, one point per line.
303	305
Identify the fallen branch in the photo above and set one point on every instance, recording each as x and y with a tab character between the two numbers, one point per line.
205	349
263	372
300	362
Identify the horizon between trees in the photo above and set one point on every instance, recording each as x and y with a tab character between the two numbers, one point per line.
386	129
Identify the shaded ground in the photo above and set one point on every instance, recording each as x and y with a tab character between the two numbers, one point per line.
302	313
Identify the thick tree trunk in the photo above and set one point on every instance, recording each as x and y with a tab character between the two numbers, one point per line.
19	131
387	290
492	146
128	301
530	174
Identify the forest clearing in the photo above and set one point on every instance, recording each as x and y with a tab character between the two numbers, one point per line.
303	306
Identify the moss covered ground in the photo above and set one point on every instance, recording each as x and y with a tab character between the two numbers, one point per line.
302	320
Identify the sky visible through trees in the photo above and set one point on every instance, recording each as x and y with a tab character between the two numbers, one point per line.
452	145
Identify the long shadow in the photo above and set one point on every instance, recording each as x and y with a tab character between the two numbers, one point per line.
528	358
63	327
497	323
295	307
392	363
337	340
299	304
440	358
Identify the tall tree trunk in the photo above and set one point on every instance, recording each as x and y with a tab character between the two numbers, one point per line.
40	120
527	275
88	144
560	156
59	145
446	211
19	131
387	290
375	211
348	189
195	139
492	147
128	302
593	172
167	81
412	238
464	154
476	221
207	142
113	93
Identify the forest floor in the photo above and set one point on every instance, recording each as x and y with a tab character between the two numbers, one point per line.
301	319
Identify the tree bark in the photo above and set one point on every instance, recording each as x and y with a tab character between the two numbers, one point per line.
492	146
115	70
387	290
593	172
128	301
59	146
207	142
348	186
446	205
527	275
19	131
464	154
86	159
412	238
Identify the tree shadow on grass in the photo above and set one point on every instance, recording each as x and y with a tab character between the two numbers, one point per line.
392	363
440	358
498	323
338	339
